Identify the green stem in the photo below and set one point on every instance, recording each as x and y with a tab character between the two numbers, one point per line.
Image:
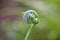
28	32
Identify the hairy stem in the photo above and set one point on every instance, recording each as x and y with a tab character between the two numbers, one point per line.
29	30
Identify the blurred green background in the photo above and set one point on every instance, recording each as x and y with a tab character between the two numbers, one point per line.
47	29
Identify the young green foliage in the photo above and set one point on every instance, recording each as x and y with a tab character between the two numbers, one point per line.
30	17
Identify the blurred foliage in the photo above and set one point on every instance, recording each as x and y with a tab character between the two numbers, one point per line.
47	29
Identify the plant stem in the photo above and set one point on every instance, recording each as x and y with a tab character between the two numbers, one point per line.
29	30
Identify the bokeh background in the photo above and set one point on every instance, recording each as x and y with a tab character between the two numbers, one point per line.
12	26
